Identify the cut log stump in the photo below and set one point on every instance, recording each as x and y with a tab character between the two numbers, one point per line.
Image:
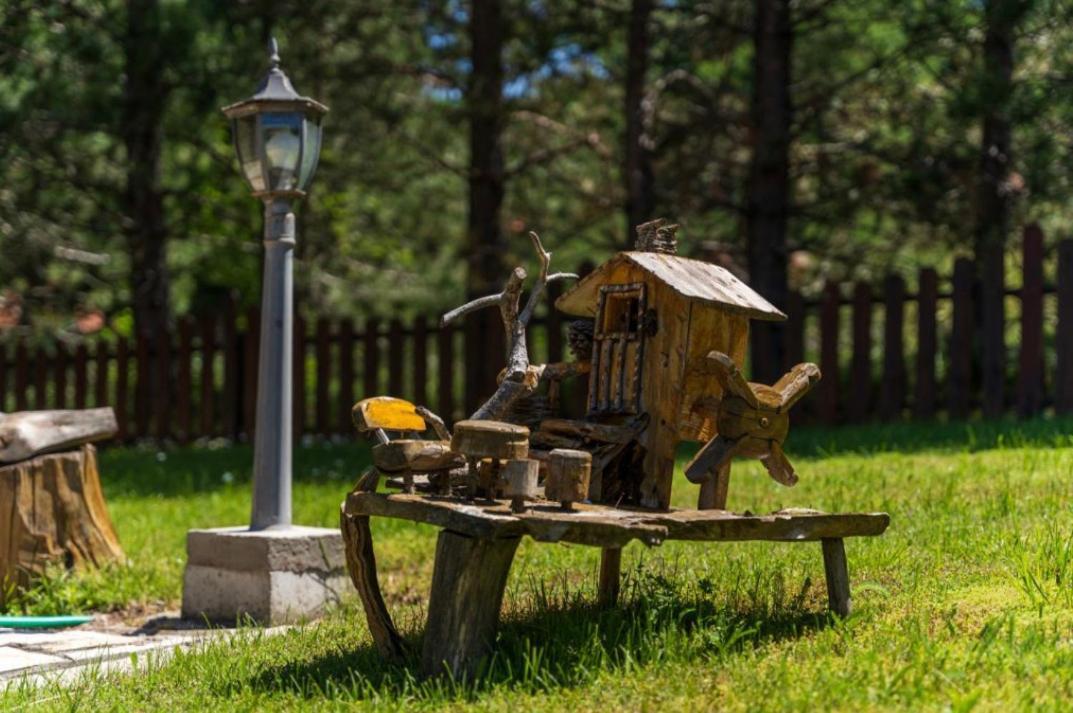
54	512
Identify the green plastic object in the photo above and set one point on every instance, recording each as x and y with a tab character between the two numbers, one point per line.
42	622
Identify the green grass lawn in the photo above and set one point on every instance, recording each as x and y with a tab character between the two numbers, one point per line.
966	602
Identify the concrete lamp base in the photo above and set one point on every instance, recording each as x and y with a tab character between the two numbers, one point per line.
275	576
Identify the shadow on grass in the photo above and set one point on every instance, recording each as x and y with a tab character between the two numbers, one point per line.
545	648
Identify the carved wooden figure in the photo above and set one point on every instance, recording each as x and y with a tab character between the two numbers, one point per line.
568	477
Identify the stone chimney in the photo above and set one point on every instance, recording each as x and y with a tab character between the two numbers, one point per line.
657	236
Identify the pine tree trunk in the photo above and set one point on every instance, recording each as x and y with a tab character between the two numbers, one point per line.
54	514
487	180
768	206
640	198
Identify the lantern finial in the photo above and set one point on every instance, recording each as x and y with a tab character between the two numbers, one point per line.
273	52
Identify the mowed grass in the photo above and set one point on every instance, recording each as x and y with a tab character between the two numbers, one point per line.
966	602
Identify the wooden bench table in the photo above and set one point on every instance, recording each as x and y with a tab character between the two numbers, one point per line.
478	539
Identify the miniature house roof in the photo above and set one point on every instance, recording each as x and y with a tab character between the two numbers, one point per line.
692	279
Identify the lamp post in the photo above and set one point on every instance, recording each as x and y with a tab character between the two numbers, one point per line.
277	135
271	571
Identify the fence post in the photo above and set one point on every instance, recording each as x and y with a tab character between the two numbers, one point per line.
3	376
81	377
1063	381
927	343
208	357
163	385
893	391
22	380
100	376
959	376
445	382
795	330
59	383
346	374
371	355
122	395
1030	370
395	349
859	406
184	380
142	386
40	379
324	375
298	404
251	347
829	385
554	325
420	360
993	336
231	371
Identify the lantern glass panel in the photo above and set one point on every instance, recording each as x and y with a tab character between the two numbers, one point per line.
282	136
310	151
245	130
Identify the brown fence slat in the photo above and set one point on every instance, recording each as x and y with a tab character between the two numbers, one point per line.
859	405
829	384
231	389
959	378
81	376
22	377
993	335
184	381
298	405
1063	381
100	375
162	397
41	379
1030	372
323	351
346	374
142	387
208	375
251	345
795	330
892	393
59	378
927	344
370	378
445	382
122	388
395	365
420	360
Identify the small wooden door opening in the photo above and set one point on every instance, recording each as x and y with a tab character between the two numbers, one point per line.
618	344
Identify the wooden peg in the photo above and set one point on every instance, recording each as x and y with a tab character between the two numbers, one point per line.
568	476
521	482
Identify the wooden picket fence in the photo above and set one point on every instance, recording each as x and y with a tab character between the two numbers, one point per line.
886	353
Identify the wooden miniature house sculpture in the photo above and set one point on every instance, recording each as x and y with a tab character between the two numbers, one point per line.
657	317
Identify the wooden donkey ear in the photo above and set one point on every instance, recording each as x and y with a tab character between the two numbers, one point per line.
796	383
731	379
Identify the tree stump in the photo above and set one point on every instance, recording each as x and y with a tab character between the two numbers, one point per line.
53	512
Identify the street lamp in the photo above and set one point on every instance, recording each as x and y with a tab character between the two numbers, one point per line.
277	135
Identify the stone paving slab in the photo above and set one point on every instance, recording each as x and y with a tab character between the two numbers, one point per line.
63	656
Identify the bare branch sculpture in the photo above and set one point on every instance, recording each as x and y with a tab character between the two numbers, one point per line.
520	378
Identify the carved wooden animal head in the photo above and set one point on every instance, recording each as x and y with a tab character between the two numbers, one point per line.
752	421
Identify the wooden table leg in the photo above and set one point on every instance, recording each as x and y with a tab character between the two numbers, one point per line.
610	571
468	580
834	565
713	491
361	562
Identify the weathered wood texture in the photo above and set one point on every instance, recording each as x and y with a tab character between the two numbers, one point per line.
610	576
468	581
837	574
54	512
603	526
28	433
361	563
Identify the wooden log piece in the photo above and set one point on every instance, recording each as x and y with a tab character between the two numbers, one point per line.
568	476
416	455
361	563
28	433
54	513
610	576
490	439
521	478
468	580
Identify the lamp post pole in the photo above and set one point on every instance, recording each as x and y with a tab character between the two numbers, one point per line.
272	439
